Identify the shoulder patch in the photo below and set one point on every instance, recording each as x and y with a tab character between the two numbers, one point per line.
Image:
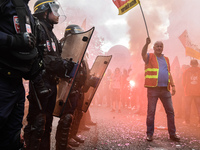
16	24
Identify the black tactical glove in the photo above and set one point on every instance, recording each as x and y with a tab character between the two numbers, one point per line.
69	65
24	40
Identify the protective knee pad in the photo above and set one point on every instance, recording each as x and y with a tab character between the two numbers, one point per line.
62	132
34	132
38	126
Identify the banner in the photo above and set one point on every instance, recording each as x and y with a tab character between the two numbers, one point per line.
190	49
191	52
125	5
185	39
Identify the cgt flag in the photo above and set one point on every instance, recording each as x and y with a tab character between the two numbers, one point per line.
190	49
125	5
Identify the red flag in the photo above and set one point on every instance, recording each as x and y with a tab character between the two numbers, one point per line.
185	39
125	5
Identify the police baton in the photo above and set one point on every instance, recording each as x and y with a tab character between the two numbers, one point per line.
37	99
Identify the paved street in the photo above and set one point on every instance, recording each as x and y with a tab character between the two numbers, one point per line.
126	131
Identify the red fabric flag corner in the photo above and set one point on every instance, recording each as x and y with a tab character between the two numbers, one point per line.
125	5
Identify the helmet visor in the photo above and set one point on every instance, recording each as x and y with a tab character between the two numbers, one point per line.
57	10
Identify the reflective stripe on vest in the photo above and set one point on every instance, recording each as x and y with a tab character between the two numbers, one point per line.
152	71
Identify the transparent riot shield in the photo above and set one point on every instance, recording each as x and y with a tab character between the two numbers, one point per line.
74	47
98	69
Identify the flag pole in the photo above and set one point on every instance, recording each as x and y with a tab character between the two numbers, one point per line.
144	19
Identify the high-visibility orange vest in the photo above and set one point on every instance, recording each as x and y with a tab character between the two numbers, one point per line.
152	70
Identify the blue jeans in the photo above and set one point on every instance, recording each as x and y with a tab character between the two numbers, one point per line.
165	96
188	103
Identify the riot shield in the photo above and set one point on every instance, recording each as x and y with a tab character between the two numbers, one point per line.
74	47
98	69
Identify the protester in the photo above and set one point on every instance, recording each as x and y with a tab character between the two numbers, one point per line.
158	80
139	94
177	77
125	91
106	85
191	84
116	90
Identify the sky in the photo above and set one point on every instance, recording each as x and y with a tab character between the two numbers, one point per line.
166	20
105	18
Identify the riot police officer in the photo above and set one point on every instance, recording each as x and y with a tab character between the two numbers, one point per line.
18	53
65	122
66	135
38	130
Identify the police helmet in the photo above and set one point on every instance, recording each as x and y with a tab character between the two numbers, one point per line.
53	5
41	6
70	29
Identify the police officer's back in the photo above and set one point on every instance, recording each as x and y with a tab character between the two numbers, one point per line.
18	51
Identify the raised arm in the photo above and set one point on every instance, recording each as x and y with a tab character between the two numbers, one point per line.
144	49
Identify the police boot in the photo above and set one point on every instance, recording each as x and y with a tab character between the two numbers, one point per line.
85	128
78	139
73	143
69	148
62	132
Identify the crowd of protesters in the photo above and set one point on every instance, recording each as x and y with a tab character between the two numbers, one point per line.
132	97
119	91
